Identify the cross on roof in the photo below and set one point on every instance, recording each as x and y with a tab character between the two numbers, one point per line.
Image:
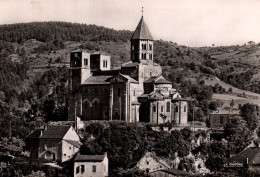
142	11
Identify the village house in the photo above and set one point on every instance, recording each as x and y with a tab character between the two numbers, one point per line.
53	142
249	158
221	117
137	92
150	162
91	166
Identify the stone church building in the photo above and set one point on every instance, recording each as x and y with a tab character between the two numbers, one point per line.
135	93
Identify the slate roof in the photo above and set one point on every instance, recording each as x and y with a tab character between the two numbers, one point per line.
130	78
142	31
89	158
225	111
78	50
103	79
251	154
157	80
155	96
34	134
174	172
130	65
179	99
55	131
74	143
112	72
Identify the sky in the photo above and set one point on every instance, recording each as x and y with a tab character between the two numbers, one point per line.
194	23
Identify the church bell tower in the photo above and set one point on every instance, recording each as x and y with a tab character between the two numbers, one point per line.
141	43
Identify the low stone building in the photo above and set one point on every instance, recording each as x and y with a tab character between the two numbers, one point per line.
150	162
222	116
54	142
91	166
249	158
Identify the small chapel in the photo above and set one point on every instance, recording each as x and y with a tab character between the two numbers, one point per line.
137	92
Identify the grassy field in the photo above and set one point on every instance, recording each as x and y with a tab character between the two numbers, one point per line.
238	95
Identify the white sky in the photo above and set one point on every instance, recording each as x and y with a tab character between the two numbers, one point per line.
186	22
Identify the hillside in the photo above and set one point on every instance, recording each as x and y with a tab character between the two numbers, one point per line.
37	51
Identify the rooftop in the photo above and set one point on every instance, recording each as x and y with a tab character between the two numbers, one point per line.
250	155
157	80
55	131
142	31
102	79
89	158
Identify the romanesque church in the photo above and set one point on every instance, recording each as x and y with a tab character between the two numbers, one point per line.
137	92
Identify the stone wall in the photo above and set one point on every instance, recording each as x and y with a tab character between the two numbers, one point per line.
95	102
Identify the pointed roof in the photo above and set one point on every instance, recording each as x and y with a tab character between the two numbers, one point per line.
250	156
157	80
142	31
55	131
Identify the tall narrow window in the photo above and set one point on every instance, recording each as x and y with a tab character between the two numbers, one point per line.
161	108
118	92
144	46
154	108
185	108
77	170
168	107
176	109
94	168
82	168
221	119
85	61
95	105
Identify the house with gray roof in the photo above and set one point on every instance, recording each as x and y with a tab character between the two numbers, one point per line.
53	142
249	158
91	165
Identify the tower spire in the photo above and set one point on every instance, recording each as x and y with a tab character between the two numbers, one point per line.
142	11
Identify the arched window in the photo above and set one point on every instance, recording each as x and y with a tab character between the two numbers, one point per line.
176	109
95	105
144	46
154	108
168	107
86	105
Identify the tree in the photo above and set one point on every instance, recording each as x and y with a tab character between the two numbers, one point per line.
237	134
250	113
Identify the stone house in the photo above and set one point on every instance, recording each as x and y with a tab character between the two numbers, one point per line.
150	162
221	117
249	158
91	166
137	92
54	142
